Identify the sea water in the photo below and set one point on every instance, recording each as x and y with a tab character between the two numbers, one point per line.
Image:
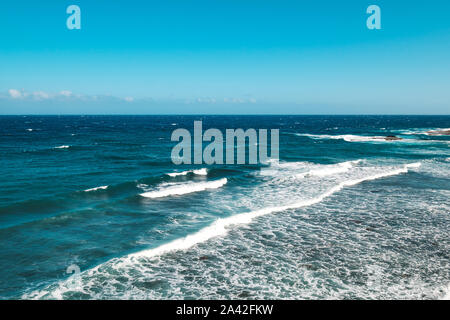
344	214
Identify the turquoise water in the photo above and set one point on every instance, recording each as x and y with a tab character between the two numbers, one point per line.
342	215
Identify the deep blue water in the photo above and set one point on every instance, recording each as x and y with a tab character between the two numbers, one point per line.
342	215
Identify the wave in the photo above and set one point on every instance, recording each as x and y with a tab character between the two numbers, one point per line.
329	169
97	188
219	227
426	131
142	186
62	147
356	138
346	137
438	132
185	189
200	172
302	169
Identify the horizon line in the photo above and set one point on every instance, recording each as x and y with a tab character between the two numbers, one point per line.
219	114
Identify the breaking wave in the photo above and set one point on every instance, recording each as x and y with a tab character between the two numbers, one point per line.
185	189
96	188
200	172
219	227
330	169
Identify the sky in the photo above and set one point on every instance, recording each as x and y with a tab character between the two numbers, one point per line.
224	57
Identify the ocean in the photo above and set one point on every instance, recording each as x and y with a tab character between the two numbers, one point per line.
344	214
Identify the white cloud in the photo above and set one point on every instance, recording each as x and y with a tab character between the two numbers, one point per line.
129	99
41	95
15	94
66	93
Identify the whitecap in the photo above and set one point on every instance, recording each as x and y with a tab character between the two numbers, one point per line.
329	169
142	186
219	227
96	188
347	137
202	172
184	189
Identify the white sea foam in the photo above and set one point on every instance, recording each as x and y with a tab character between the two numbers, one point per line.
62	147
97	188
329	169
447	294
176	174
356	138
200	172
422	131
142	186
346	137
437	132
185	189
219	227
282	170
371	139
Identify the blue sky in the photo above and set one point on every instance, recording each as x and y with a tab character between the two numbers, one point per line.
225	56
